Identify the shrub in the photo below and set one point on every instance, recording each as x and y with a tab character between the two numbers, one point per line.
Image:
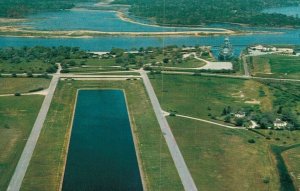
251	141
37	89
65	71
266	180
29	75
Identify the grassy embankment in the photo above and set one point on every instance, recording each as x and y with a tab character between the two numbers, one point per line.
279	66
219	158
22	85
17	116
46	167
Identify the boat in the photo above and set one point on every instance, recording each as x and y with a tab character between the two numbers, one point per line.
226	51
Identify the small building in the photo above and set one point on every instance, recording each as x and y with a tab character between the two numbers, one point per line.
285	50
258	47
279	124
240	114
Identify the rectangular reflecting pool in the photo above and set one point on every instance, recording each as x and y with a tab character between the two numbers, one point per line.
101	153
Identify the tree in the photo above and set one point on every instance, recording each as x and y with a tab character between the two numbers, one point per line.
29	74
239	122
166	60
119	60
227	119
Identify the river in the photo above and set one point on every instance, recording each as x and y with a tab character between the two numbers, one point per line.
101	20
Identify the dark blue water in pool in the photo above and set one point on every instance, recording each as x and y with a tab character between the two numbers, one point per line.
101	152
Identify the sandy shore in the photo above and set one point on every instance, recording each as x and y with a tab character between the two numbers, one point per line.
15	31
8	20
28	32
123	17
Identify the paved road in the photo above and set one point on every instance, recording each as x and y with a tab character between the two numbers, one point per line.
180	164
246	67
17	178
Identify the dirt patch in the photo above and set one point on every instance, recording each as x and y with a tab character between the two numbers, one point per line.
254	102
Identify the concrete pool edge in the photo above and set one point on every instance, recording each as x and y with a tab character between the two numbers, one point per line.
68	137
135	142
134	137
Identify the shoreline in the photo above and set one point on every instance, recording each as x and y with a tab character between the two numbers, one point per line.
122	16
82	34
23	32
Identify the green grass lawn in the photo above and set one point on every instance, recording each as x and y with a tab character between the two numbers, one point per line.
187	63
199	96
23	67
17	116
46	166
94	69
203	97
222	159
96	62
277	66
292	160
22	85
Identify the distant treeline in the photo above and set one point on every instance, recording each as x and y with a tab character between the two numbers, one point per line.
197	12
19	8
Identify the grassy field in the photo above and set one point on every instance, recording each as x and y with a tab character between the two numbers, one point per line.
292	160
199	96
22	85
188	63
222	159
17	116
203	97
276	66
94	69
46	167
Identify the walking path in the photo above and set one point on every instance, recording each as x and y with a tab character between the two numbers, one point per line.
17	178
180	164
246	67
206	121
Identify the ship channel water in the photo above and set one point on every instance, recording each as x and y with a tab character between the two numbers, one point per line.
101	152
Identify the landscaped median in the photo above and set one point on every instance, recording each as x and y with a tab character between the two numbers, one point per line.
47	165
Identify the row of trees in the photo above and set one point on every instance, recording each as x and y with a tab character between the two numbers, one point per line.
20	8
45	57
